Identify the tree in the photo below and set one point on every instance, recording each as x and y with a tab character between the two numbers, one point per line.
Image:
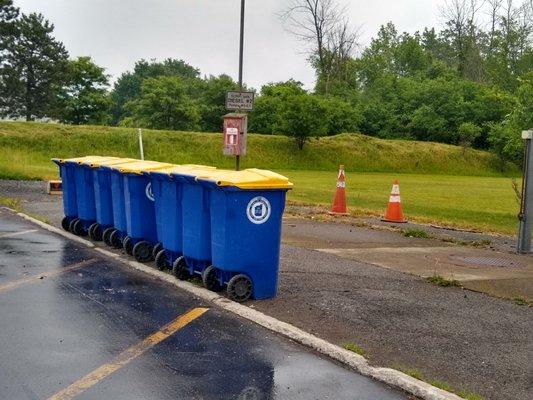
33	70
85	99
324	27
8	16
511	51
462	32
269	106
164	104
505	137
128	85
468	133
212	97
302	118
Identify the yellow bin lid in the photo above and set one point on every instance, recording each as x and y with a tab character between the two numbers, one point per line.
188	169
99	163
86	159
248	179
138	167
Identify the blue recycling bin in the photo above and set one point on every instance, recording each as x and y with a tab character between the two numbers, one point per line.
168	194
114	236
139	208
246	209
196	227
76	206
104	225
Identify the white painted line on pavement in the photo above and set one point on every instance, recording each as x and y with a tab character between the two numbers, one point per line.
11	234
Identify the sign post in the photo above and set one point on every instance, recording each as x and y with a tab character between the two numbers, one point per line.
525	216
235	125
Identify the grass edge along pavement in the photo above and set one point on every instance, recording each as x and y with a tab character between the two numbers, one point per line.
417	374
389	376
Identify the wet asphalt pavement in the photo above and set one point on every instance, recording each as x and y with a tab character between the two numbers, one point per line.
65	312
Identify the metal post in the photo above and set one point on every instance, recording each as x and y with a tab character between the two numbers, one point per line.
241	55
526	205
140	133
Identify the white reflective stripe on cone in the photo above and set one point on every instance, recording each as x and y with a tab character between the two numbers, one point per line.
394	198
395	189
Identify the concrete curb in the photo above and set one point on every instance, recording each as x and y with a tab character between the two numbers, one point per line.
389	376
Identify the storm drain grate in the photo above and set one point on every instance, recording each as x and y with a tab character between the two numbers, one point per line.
488	261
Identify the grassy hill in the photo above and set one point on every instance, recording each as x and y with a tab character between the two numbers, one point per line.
438	182
26	149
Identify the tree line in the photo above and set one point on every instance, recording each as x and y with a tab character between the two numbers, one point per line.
470	83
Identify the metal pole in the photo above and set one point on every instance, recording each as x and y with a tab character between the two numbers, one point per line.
140	133
526	205
241	56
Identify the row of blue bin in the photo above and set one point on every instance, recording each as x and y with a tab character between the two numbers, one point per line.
222	225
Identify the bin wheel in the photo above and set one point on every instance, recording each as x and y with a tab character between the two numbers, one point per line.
127	245
95	232
161	261
240	288
114	239
180	269
65	223
157	248
210	280
106	236
90	231
76	227
142	251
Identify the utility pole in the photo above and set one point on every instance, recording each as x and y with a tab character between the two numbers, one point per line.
525	216
241	55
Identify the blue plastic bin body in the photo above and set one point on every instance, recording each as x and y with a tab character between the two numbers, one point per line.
84	182
117	195
196	223
70	202
167	194
246	235
139	207
103	197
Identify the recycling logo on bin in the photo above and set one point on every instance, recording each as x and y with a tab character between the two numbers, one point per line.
149	192
258	210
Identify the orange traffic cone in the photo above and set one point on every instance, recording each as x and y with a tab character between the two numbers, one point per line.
339	202
394	210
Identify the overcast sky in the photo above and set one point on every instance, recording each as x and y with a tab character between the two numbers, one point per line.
204	33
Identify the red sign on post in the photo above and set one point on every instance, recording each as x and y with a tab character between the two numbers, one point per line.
235	130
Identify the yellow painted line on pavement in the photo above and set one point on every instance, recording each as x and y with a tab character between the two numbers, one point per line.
11	234
128	355
46	274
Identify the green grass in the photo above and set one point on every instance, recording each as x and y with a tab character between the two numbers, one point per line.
355	348
441	281
482	203
520	301
438	183
416	233
417	374
14	204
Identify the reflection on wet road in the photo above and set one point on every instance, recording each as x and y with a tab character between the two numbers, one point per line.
75	325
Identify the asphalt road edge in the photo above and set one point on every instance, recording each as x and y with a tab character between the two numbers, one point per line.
355	361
